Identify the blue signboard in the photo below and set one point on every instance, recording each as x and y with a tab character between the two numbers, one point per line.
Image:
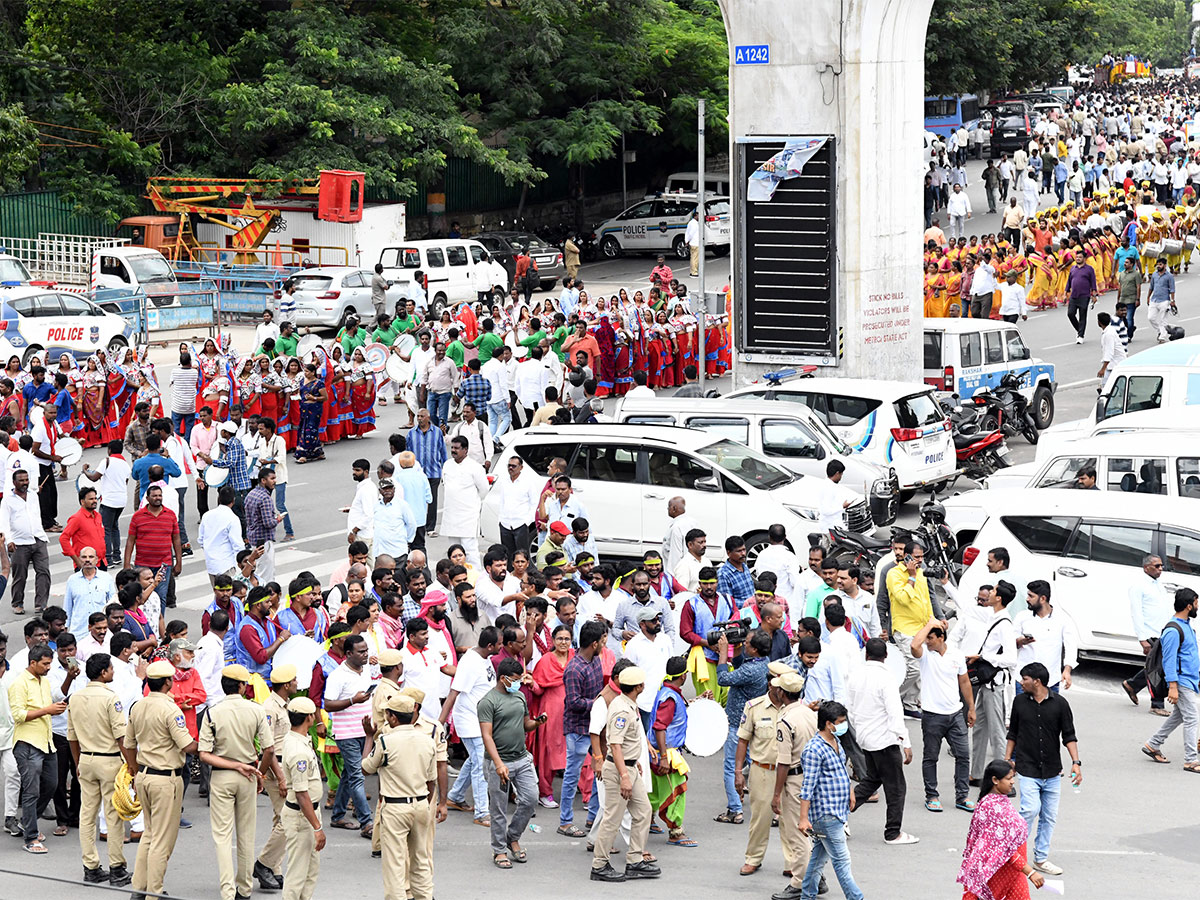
751	54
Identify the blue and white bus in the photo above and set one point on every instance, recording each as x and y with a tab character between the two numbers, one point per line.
946	114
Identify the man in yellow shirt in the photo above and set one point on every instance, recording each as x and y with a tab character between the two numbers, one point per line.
32	708
908	593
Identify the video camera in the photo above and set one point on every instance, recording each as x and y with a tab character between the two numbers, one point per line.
735	630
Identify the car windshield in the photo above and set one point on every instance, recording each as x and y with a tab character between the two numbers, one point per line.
717	207
746	464
312	282
12	270
148	269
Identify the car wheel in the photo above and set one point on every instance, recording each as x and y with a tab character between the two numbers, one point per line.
117	345
435	308
756	542
27	358
905	496
547	285
721	250
680	248
346	314
610	249
1043	407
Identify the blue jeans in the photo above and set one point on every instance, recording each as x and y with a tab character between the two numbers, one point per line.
1039	809
188	420
579	746
163	589
281	506
472	771
499	418
732	800
439	407
352	784
829	843
182	493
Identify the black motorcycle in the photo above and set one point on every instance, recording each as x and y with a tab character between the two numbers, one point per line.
1006	409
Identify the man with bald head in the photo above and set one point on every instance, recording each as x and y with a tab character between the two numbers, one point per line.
413	486
674	542
88	591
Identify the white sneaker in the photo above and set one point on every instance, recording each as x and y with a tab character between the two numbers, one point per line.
1079	340
1047	867
903	838
548	802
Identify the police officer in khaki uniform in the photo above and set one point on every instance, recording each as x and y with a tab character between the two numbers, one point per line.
624	785
95	732
156	741
757	739
227	743
268	868
797	726
301	822
405	761
391	665
437	733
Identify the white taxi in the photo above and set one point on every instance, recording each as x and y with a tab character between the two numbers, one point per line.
658	225
34	318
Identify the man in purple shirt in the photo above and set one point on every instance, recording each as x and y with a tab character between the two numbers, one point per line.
582	679
1081	283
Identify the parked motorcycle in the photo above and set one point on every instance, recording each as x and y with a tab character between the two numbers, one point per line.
1007	409
851	547
979	452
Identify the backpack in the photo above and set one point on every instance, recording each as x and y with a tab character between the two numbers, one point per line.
1156	679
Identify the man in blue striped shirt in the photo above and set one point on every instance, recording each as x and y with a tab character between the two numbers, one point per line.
734	577
429	446
233	459
475	388
825	804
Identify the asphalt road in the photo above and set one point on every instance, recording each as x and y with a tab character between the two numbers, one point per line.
1130	831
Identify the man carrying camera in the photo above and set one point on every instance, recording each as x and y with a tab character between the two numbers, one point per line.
745	678
697	619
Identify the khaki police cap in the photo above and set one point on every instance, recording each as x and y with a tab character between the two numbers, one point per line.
160	669
788	681
389	657
283	673
632	676
416	693
778	667
399	703
302	705
236	672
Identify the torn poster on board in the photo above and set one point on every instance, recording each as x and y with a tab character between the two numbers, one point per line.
787	163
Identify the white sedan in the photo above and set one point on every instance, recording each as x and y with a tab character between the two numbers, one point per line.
34	318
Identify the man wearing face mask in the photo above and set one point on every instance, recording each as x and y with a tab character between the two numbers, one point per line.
1047	637
630	607
649	650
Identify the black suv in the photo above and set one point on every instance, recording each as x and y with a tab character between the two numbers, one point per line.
504	246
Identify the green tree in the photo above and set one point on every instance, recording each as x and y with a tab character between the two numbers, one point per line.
18	146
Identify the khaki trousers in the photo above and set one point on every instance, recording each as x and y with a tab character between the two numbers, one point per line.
303	860
231	803
161	797
97	775
272	852
614	808
694	251
762	787
796	845
405	845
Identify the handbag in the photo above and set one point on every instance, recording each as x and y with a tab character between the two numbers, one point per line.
981	672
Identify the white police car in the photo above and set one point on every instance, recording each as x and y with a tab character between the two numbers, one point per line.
34	318
658	225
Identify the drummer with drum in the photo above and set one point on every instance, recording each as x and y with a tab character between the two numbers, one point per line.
44	431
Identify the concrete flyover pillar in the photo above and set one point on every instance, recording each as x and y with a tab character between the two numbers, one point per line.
854	71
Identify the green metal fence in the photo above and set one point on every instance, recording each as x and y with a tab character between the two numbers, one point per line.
32	213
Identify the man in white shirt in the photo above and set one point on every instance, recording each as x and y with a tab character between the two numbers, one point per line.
203	439
423	666
860	605
348	701
983	286
691	237
395	524
498	412
687	570
777	559
220	536
21	525
530	382
96	639
1046	638
600	604
113	477
210	657
959	209
265	329
1012	299
877	717
650	649
473	678
464	485
945	687
494	585
674	546
1150	607
480	444
1112	350
44	432
833	499
518	491
360	514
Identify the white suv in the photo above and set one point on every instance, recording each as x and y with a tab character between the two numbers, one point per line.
658	226
625	474
1090	550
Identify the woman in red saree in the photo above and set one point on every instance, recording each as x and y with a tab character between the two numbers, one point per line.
336	396
69	367
122	397
661	350
268	400
249	388
994	865
549	742
91	403
12	404
362	381
211	364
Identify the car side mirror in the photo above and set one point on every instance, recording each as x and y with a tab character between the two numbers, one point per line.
707	484
820	452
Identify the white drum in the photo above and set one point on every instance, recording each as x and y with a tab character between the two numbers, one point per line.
398	370
707	727
307	345
215	476
1152	250
376	355
1172	247
69	449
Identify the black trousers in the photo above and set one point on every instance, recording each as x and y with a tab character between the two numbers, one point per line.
1077	308
47	495
515	539
1138	681
431	510
884	768
66	794
1013	236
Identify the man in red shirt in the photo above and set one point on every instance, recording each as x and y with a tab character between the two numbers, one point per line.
154	540
187	689
84	529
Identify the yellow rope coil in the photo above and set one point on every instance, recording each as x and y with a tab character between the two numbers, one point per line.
127	806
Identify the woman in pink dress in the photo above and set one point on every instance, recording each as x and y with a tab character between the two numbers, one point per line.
550	744
994	866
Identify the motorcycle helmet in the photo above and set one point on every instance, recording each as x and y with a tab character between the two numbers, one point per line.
934	510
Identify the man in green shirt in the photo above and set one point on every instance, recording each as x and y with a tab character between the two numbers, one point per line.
455	349
488	343
503	722
386	330
287	342
351	336
536	333
559	335
267	349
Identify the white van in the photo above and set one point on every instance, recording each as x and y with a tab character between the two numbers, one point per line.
1090	550
625	475
969	355
449	265
793	436
689	183
892	423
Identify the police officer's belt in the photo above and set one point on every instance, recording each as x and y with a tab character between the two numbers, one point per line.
290	805
761	765
94	753
628	762
401	799
796	770
176	772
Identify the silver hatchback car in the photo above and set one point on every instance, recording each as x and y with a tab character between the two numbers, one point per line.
329	294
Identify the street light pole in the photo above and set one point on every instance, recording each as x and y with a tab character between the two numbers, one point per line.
701	314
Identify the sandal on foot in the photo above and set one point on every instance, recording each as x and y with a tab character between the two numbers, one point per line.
1155	755
682	841
500	861
61	831
35	847
933	804
1192	767
343	823
518	856
656	829
571	831
729	817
